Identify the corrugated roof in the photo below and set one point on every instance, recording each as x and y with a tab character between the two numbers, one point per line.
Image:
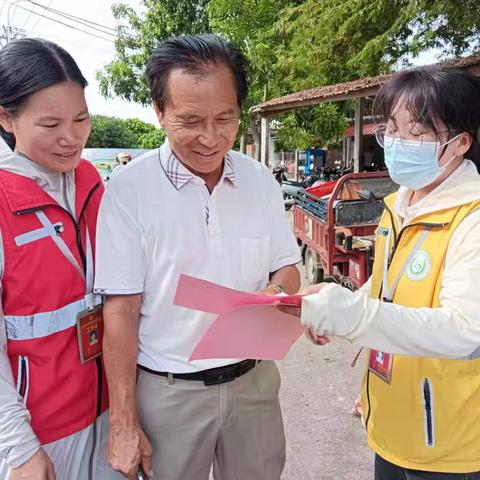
368	129
342	91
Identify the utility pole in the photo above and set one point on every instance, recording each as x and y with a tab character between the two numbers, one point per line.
8	33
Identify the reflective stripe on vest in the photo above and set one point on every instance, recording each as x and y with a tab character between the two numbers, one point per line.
42	324
63	247
54	231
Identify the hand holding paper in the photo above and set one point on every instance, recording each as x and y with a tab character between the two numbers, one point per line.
248	325
205	296
297	311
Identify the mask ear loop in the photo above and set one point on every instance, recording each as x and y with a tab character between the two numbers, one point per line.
444	167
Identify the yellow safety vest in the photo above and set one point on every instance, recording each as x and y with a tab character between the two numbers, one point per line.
420	413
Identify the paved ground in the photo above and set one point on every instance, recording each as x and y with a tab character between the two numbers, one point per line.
324	442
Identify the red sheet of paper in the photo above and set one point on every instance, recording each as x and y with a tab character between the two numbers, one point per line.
209	297
248	325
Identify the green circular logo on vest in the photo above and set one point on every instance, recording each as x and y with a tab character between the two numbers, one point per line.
419	266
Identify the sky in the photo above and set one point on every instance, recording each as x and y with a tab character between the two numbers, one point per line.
90	53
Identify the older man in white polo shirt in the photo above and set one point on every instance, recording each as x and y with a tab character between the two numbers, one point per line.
193	206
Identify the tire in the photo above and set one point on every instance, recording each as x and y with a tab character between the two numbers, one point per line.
313	272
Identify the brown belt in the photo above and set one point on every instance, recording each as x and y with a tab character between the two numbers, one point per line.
212	376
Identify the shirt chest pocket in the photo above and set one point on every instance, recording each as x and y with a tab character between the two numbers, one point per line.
255	261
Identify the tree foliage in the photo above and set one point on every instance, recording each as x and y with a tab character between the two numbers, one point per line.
339	40
113	132
138	35
244	23
316	126
297	44
110	132
152	139
334	41
139	127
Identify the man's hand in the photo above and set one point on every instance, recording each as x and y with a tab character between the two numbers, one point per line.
128	447
310	290
37	467
296	311
268	291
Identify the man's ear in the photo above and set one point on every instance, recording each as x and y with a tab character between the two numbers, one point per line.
6	120
158	113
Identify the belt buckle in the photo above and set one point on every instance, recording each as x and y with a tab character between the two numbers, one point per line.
221	375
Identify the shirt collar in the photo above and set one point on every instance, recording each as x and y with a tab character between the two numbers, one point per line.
228	171
180	176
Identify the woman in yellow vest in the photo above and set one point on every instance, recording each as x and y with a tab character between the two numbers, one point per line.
419	314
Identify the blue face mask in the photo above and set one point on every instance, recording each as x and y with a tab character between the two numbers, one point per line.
413	164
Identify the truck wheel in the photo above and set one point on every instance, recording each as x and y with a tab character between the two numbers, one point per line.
313	272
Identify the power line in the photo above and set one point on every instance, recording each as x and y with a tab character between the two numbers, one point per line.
28	18
83	21
10	5
39	20
13	13
68	25
69	15
2	7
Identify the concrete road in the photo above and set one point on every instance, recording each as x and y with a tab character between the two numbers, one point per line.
324	441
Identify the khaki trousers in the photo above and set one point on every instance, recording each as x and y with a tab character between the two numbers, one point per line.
237	426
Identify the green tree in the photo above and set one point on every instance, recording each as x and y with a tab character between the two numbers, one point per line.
244	23
320	125
110	132
335	41
297	44
138	36
453	25
339	40
138	127
152	139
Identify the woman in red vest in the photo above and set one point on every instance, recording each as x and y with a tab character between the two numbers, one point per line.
52	388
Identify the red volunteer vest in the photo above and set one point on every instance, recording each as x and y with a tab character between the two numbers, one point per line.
42	294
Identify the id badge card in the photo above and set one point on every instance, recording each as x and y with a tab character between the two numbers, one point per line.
90	333
380	364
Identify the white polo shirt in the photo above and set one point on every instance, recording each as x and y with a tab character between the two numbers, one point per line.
157	220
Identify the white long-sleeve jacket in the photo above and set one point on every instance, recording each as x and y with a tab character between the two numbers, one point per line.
451	331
